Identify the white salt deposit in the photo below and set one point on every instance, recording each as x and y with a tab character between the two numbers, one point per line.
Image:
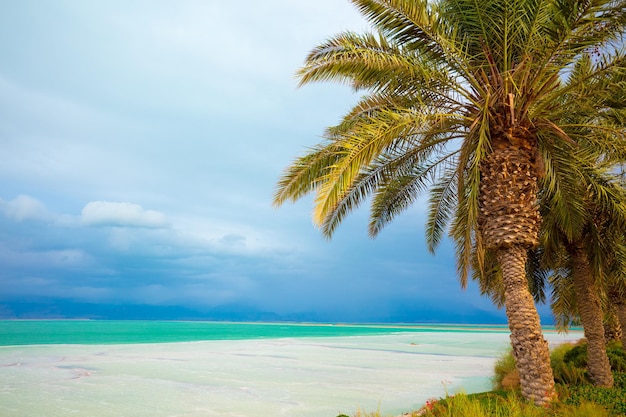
315	377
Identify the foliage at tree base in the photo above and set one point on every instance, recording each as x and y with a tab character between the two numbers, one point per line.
613	399
510	404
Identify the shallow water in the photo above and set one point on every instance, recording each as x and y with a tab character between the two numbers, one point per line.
305	377
90	332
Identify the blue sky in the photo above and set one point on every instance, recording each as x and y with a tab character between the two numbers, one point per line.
142	142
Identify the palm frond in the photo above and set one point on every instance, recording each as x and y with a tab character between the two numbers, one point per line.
306	173
401	191
441	207
563	303
391	130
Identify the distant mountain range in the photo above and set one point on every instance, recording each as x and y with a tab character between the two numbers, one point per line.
56	308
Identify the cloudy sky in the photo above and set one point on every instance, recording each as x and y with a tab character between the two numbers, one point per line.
141	143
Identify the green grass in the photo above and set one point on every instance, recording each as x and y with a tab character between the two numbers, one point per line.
508	405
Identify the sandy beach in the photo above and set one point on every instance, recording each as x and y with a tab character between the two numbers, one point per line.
306	377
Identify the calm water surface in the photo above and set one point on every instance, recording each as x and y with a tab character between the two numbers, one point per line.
41	332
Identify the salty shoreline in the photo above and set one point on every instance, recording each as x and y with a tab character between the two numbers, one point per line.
306	377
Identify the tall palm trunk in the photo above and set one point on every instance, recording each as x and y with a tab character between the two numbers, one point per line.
530	349
617	304
613	324
612	327
590	311
509	225
620	310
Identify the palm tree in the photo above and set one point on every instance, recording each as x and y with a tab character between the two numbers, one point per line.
584	276
617	300
603	256
466	96
585	293
617	285
608	283
582	268
591	251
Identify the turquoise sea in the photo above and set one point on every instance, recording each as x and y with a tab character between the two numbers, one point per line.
60	368
41	332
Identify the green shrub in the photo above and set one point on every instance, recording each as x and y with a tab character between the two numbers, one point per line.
577	356
617	356
568	364
566	371
613	399
620	380
462	405
584	409
558	352
505	374
508	405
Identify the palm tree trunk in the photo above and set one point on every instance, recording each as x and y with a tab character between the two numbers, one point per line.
530	349
509	222
612	326
590	311
617	305
620	309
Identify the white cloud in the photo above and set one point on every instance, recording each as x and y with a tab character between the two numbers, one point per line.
107	213
224	236
24	207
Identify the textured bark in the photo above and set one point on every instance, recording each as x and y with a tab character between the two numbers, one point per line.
620	309
612	327
530	349
509	213
591	316
509	224
617	306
